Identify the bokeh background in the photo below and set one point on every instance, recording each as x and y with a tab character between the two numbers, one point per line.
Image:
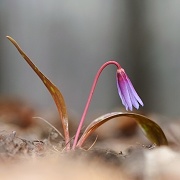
70	39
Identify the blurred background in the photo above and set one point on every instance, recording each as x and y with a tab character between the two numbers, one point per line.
69	40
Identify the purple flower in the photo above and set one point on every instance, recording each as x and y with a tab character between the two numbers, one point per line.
126	91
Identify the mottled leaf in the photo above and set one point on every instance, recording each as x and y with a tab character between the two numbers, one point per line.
151	130
55	93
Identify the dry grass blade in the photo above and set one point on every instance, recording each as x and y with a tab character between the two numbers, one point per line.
56	94
42	119
151	130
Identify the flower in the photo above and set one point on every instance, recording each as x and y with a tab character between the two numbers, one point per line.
126	91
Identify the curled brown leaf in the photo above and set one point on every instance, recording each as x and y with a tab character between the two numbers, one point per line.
151	129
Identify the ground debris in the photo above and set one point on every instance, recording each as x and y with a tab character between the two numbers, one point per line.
11	145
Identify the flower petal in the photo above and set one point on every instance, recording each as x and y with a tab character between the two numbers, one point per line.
133	91
123	89
126	91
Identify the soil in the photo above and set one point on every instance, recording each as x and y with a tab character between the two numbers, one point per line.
30	149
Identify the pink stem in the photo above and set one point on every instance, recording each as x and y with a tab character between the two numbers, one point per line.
90	97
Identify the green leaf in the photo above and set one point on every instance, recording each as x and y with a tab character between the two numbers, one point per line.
151	130
54	91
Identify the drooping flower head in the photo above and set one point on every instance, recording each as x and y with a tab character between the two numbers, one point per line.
126	91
